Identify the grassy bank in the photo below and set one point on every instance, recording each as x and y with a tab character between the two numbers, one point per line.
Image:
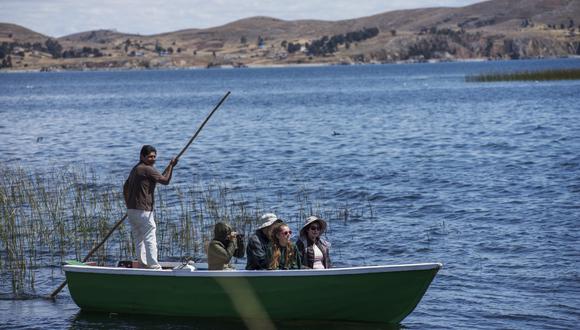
560	74
52	216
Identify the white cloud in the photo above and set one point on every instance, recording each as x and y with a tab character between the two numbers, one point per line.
62	17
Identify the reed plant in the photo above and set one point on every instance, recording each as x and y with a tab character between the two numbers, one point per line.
49	217
542	75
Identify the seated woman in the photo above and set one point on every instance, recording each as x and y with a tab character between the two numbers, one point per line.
281	253
223	247
314	250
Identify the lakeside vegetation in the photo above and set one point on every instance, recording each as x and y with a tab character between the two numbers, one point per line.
49	217
543	75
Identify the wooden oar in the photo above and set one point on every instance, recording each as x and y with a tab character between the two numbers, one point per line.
63	284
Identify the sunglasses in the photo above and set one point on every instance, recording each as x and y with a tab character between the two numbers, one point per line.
314	228
287	233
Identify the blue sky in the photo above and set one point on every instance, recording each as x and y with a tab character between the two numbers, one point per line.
57	18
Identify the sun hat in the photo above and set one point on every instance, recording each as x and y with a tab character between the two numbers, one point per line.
269	219
311	219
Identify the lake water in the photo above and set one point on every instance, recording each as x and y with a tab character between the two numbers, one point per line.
483	177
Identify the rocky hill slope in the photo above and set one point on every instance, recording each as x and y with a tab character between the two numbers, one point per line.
497	29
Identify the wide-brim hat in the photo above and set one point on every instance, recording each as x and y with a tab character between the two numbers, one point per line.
309	221
269	219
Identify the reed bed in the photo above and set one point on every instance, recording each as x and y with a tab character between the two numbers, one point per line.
49	217
553	74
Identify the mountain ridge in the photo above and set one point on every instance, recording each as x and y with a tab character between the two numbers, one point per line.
496	29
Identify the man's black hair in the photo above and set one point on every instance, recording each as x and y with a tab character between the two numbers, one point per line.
147	149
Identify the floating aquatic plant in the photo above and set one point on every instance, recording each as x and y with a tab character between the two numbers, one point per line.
552	74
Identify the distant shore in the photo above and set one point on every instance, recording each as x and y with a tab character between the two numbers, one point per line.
266	66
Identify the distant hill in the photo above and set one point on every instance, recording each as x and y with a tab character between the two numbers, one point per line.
10	32
497	29
97	36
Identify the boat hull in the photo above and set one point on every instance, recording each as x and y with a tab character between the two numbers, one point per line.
382	294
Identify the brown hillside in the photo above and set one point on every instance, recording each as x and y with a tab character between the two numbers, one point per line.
486	14
12	32
498	16
97	36
496	29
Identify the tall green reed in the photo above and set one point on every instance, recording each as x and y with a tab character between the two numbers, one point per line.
51	216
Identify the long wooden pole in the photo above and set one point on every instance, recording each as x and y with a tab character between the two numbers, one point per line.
98	246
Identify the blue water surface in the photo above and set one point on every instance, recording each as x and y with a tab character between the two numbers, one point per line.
483	177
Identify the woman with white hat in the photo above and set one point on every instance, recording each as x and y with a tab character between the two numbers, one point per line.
313	248
258	243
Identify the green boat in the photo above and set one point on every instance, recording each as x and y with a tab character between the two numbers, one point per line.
374	294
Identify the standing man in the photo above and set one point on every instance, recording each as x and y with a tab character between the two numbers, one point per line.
258	243
138	191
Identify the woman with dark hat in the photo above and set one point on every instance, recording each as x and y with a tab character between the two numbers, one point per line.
313	248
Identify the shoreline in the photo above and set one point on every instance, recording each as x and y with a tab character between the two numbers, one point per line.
277	66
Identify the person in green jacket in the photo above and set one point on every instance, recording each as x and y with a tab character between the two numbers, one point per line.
225	244
281	253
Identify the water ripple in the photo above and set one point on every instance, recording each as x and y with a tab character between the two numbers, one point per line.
412	163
